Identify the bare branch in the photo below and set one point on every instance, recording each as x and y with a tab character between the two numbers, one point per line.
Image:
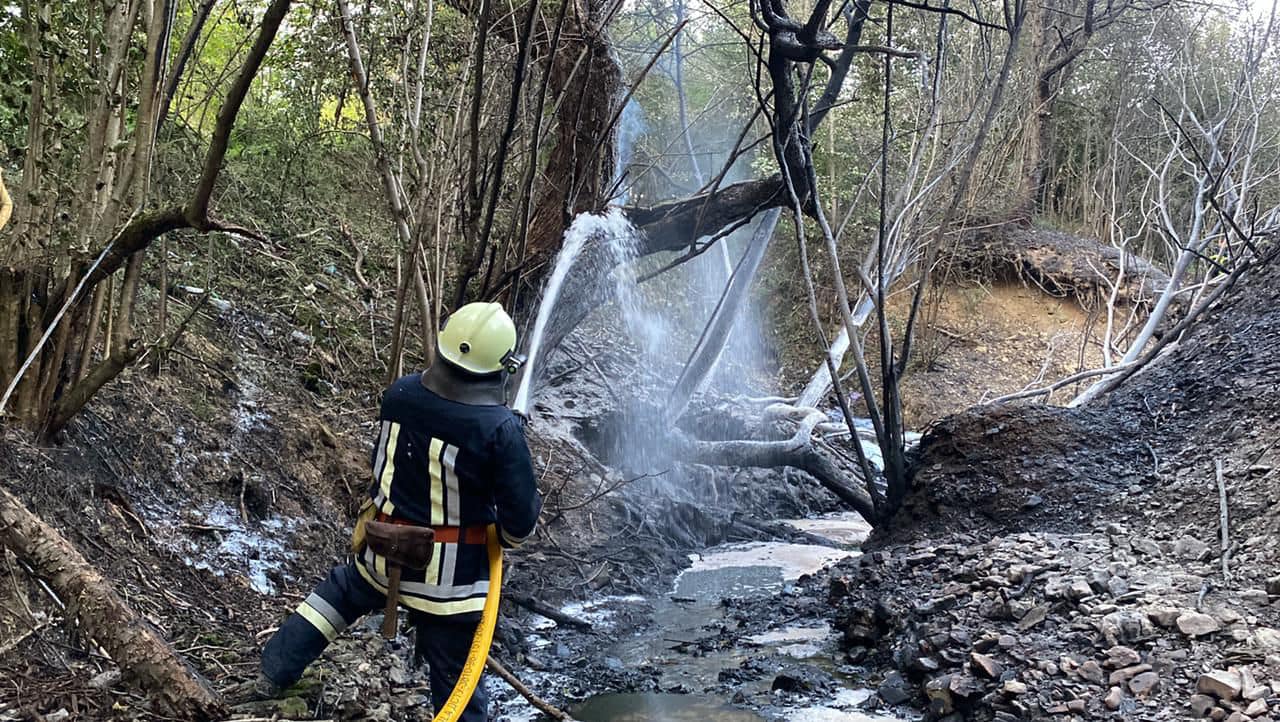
950	11
197	212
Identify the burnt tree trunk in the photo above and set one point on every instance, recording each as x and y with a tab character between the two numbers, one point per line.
146	660
586	78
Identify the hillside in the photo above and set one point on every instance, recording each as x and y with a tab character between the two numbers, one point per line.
1069	562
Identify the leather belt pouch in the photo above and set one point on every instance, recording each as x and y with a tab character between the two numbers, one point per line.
403	545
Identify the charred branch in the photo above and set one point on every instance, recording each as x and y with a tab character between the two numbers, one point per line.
949	10
855	20
800	451
678	224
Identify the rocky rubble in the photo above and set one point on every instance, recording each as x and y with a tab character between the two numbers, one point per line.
1100	625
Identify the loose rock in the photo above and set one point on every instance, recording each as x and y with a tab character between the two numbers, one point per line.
894	689
1113	698
1091	671
1014	687
1118	657
1273	586
1223	684
985	666
1256	708
1143	684
1200	704
1189	547
1195	624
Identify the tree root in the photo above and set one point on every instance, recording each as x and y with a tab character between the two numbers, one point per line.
800	451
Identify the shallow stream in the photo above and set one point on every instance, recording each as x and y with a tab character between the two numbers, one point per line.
691	648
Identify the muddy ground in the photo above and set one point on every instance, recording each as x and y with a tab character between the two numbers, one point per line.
1052	563
217	493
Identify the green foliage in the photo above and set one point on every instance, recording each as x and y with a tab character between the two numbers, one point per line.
15	83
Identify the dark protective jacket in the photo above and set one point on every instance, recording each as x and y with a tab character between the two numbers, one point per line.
439	462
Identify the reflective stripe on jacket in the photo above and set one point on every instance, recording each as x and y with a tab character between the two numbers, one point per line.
439	462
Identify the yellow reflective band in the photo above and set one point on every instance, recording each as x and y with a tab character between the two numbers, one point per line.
318	621
389	469
437	482
460	606
433	566
443	609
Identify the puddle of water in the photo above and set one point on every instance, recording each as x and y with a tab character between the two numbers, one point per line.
693	613
738	569
733	581
735	571
848	528
798	642
659	708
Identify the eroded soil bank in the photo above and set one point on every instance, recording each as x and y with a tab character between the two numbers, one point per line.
1058	564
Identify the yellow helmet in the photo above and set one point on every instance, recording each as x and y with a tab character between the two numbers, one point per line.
479	338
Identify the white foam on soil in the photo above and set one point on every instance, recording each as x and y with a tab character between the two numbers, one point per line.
510	705
598	612
851	697
830	714
217	540
798	642
802	650
791	634
247	415
841	708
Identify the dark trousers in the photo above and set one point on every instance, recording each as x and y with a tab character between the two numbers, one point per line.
344	597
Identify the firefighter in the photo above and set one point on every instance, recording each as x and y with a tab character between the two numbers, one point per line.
450	456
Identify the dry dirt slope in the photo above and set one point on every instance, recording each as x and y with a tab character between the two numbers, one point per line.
1143	452
1057	564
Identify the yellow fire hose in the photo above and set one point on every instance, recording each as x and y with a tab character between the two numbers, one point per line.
479	654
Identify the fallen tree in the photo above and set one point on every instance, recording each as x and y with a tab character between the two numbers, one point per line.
1061	263
145	658
833	469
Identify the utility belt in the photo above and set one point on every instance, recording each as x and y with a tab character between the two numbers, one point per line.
476	534
404	543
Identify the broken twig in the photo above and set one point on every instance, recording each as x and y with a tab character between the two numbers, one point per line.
1222	519
540	607
545	707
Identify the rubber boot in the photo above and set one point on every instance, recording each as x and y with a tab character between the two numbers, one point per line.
258	689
